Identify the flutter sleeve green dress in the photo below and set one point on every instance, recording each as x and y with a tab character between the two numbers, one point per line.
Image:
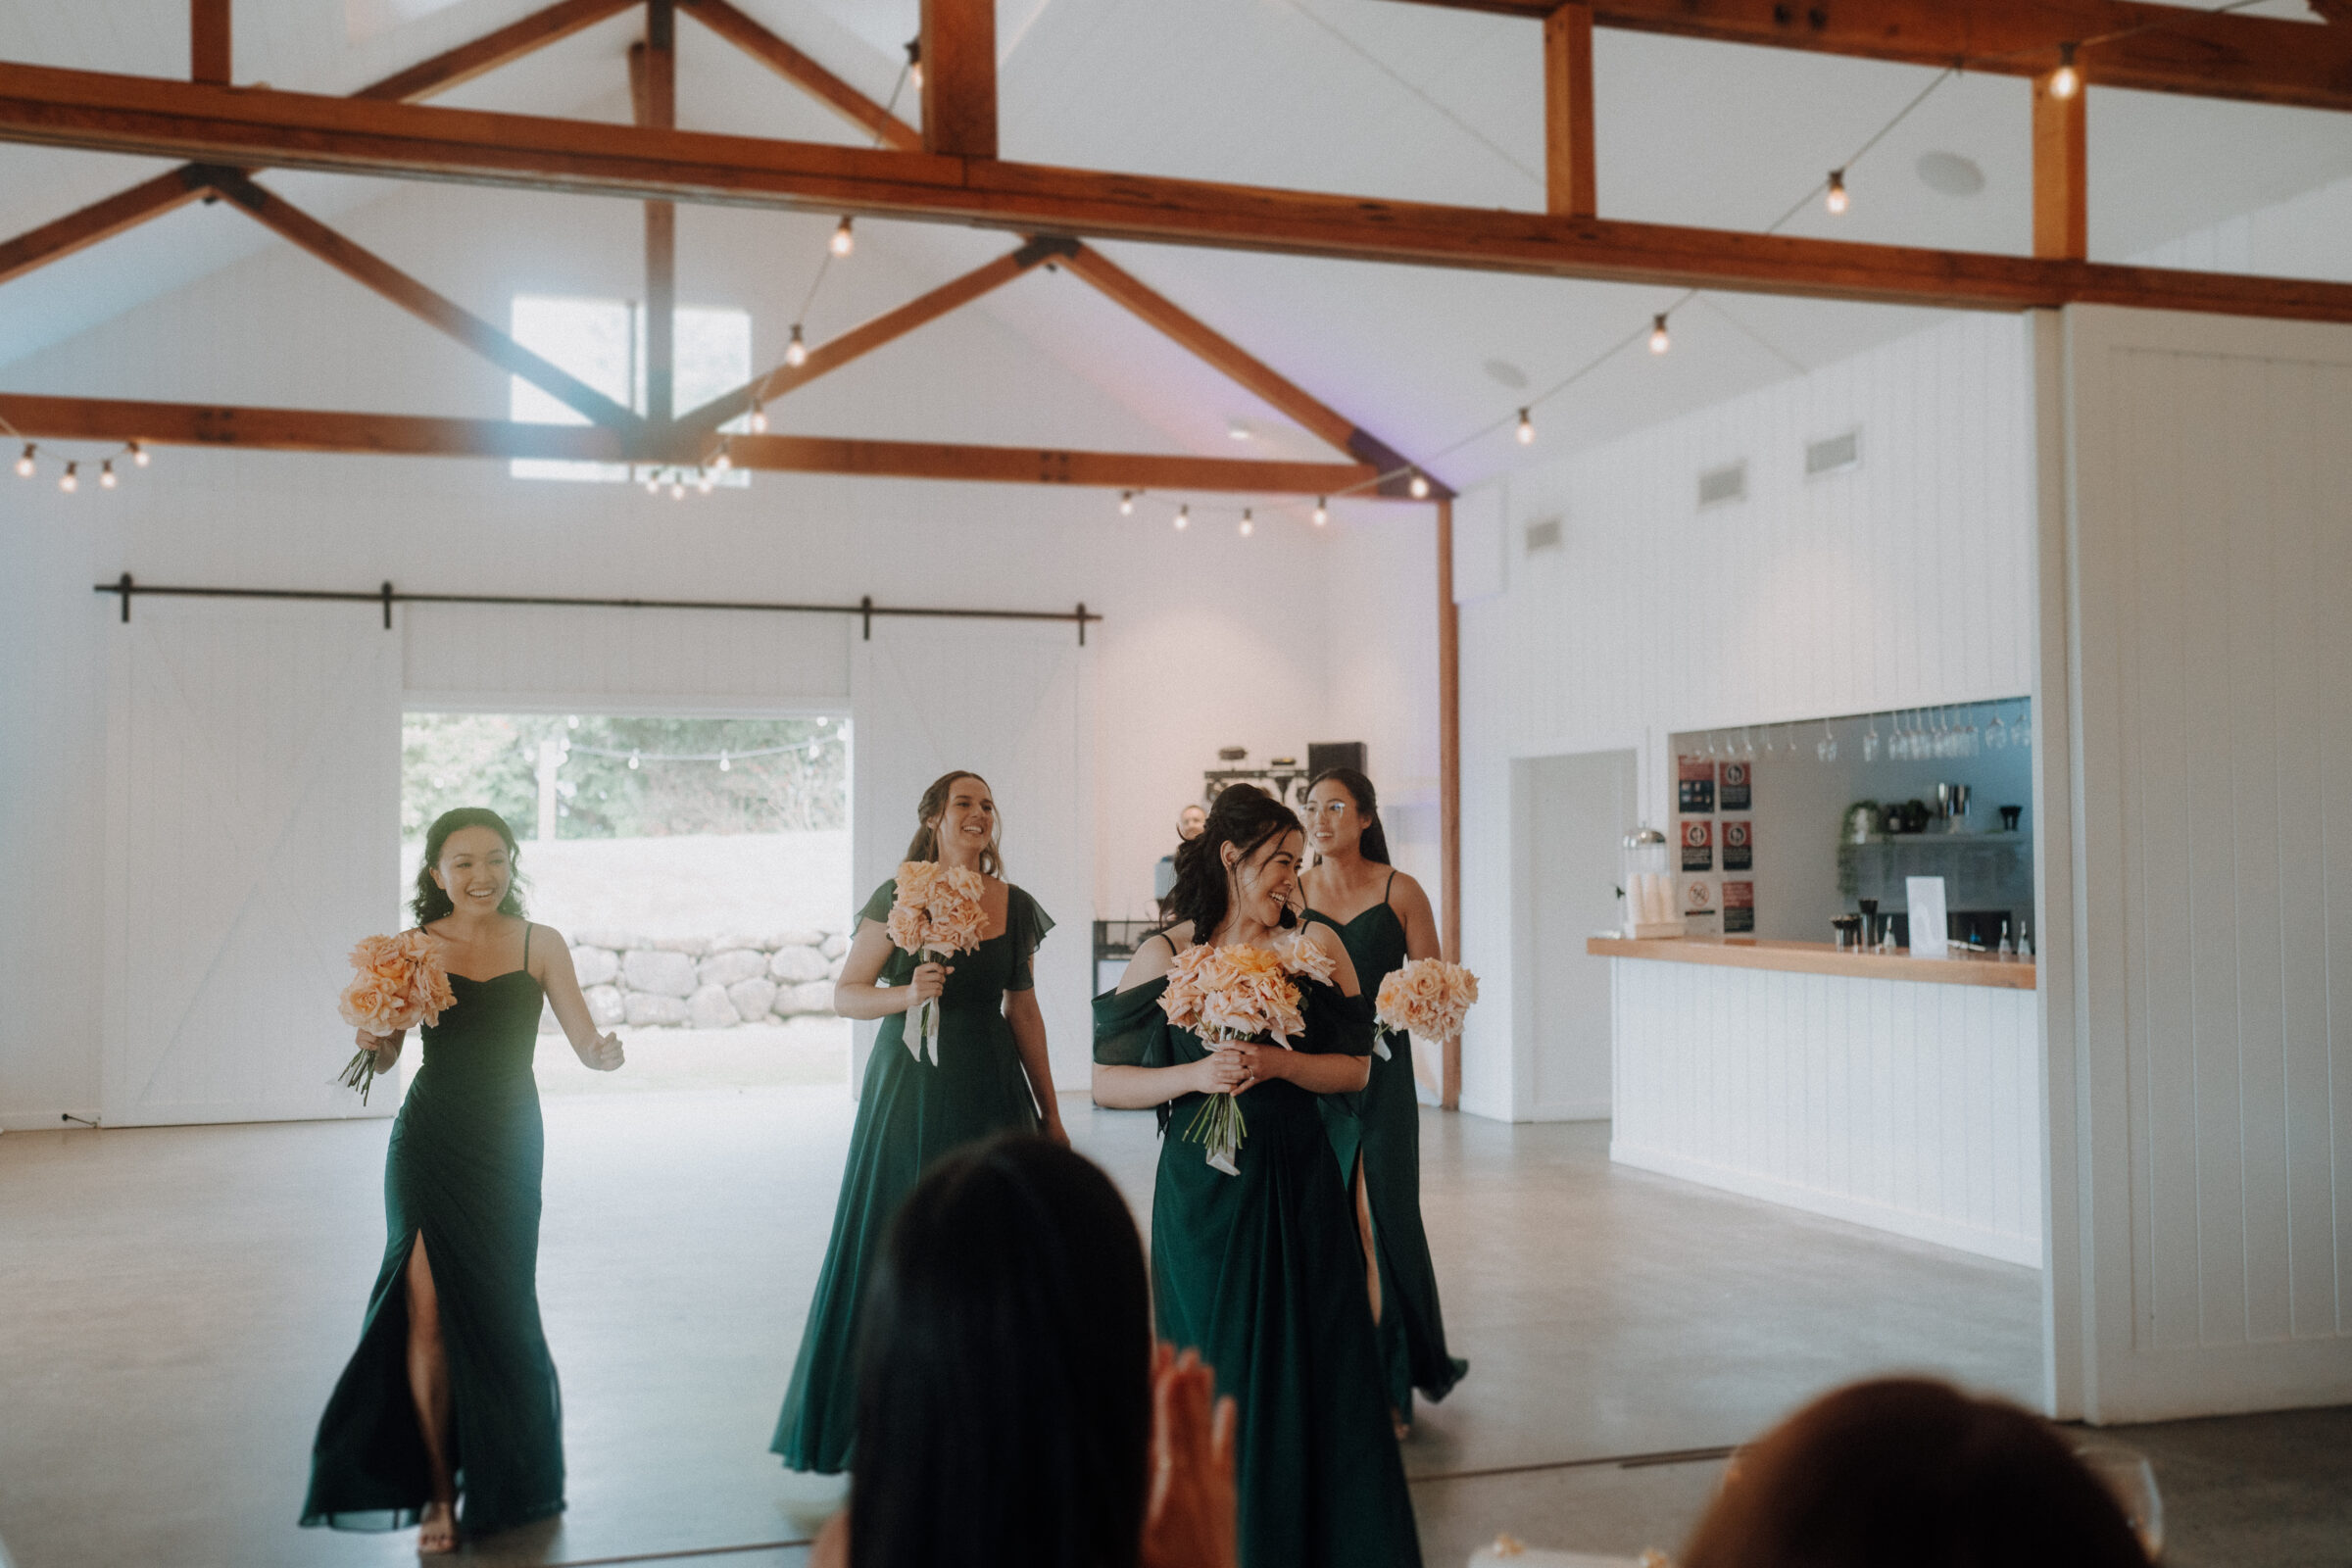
909	1113
462	1174
1262	1274
1383	1127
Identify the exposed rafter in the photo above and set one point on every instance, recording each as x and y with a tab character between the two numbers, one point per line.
804	71
140	115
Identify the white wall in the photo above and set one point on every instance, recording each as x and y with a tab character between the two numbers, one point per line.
1902	582
1209	639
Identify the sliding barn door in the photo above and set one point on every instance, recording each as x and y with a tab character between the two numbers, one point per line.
253	835
1013	705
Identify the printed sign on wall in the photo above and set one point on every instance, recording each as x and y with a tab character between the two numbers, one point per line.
1698	846
1698	895
1738	906
1738	844
1698	784
1733	795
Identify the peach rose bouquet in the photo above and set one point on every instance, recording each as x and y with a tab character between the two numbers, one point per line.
937	914
397	983
1427	997
1233	994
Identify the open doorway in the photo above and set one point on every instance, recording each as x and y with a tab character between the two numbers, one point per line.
699	867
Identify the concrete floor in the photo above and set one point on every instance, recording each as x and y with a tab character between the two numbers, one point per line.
179	1300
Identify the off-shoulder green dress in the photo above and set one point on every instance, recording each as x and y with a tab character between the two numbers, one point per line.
462	1174
908	1115
1261	1273
1382	1125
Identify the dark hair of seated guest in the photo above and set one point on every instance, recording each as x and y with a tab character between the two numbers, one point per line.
1005	1371
1909	1473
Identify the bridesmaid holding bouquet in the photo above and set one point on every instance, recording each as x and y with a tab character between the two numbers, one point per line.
452	1392
979	1070
1255	1260
1385	919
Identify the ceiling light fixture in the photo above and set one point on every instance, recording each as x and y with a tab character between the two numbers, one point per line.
758	419
1838	200
24	464
1419	485
1126	503
1660	340
106	474
2066	80
1184	518
139	455
1322	512
70	480
915	63
844	241
795	352
1526	429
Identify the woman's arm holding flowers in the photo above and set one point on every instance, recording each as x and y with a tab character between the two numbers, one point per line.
600	1052
1121	1087
858	992
1318	1073
384	1048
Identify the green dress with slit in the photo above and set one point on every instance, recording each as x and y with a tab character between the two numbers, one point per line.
1262	1274
1382	1125
908	1115
462	1172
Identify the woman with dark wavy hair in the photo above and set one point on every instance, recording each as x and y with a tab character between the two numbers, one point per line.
452	1390
1259	1270
1385	919
990	1074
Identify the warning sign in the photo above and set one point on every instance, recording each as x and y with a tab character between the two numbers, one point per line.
1698	846
1698	775
1739	845
1698	896
1733	795
1738	906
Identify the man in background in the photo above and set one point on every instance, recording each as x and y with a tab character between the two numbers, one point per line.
1189	823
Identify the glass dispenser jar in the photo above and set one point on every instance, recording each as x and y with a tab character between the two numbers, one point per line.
1646	879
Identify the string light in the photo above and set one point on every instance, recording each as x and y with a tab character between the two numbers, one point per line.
1838	200
724	764
758	419
139	455
25	462
1248	524
1184	519
678	492
2066	81
915	63
704	480
1322	512
106	474
795	352
844	241
1419	485
653	483
1126	503
70	480
1660	340
1526	429
633	762
722	463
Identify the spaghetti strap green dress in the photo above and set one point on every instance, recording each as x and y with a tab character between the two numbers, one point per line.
1262	1274
1382	1125
462	1172
908	1115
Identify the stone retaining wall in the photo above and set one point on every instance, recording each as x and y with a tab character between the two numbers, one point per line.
705	981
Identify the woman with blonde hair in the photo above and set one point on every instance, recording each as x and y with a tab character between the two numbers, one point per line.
987	1073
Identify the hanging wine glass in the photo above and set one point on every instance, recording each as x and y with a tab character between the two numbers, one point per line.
1997	736
1871	742
1898	744
1747	743
1711	743
2021	733
1826	750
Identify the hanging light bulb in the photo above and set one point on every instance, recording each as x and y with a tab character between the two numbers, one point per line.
1248	523
915	63
844	241
795	352
1184	518
722	463
704	480
1526	429
1419	485
758	419
106	474
1322	512
1838	200
2066	81
140	455
70	480
25	462
724	764
677	488
653	483
1659	339
1126	503
633	762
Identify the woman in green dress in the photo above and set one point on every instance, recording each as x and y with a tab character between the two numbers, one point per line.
1259	1270
451	1390
1385	918
991	1075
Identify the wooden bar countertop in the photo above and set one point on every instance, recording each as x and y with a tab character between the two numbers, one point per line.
1962	968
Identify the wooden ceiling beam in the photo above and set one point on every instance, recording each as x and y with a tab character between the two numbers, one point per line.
2121	43
804	73
63	418
52	107
862	340
209	51
654	87
1570	178
2061	172
1207	344
128	210
373	271
959	77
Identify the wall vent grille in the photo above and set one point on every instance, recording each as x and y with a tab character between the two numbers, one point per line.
1836	453
1727	484
1544	535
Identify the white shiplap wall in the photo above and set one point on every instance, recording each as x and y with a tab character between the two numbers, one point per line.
1903	582
2209	538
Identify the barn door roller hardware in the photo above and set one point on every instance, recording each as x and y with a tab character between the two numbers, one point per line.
126	588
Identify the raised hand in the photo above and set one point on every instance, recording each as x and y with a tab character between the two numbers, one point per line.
1188	1517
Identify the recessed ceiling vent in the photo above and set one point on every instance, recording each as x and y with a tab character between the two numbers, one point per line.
1838	452
1544	535
1727	484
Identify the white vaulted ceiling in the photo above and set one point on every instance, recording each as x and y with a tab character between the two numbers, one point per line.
1362	96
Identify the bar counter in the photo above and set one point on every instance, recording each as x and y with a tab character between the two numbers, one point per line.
1962	968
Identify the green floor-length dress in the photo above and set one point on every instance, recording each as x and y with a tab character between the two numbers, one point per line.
1261	1273
908	1115
463	1171
1383	1124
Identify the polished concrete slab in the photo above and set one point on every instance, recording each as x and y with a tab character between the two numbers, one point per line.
177	1303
